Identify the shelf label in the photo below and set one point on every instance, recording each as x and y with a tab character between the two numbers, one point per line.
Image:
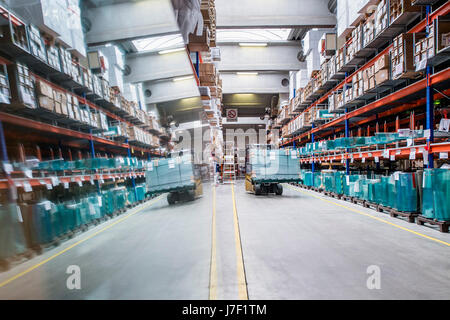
412	154
352	160
28	173
66	185
392	157
19	214
427	133
80	183
386	154
172	163
409	142
8	168
47	205
425	158
396	176
27	187
55	181
363	160
49	186
443	155
377	159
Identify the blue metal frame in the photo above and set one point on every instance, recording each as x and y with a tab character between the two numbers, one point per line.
197	64
430	105
313	166
133	181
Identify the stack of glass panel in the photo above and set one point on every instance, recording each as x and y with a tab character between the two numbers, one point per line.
406	192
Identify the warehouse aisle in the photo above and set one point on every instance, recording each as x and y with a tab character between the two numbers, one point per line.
159	253
300	247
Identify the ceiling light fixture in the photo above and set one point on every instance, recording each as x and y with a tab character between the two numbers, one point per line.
253	44
183	78
247	73
171	50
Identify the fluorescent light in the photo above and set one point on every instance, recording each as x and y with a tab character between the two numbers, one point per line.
253	44
183	78
170	50
247	73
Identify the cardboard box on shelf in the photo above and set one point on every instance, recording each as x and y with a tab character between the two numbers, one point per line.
381	76
382	63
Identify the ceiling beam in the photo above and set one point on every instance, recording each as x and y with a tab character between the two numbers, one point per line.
130	20
274	14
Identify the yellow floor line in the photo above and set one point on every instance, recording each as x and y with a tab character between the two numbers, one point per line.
21	274
371	216
242	282
213	271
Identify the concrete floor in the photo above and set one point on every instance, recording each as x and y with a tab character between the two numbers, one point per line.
298	246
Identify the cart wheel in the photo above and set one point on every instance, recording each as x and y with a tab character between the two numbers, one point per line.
5	265
258	190
191	195
171	199
278	189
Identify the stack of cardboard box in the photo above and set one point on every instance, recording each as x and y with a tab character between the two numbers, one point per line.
369	78
106	92
340	59
208	74
356	42
358	84
45	95
73	107
60	101
424	48
200	43
307	91
87	78
208	10
5	92
17	34
402	58
22	86
348	95
37	47
382	69
331	67
114	96
97	85
102	121
382	17
398	7
339	100
369	29
53	57
332	102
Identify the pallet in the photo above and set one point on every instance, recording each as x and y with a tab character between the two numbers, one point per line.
381	208
411	216
371	205
7	263
361	202
347	198
443	225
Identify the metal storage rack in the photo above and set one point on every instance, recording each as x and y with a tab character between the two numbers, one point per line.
46	129
388	100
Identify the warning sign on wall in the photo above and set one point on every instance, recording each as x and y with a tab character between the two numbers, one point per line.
232	115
